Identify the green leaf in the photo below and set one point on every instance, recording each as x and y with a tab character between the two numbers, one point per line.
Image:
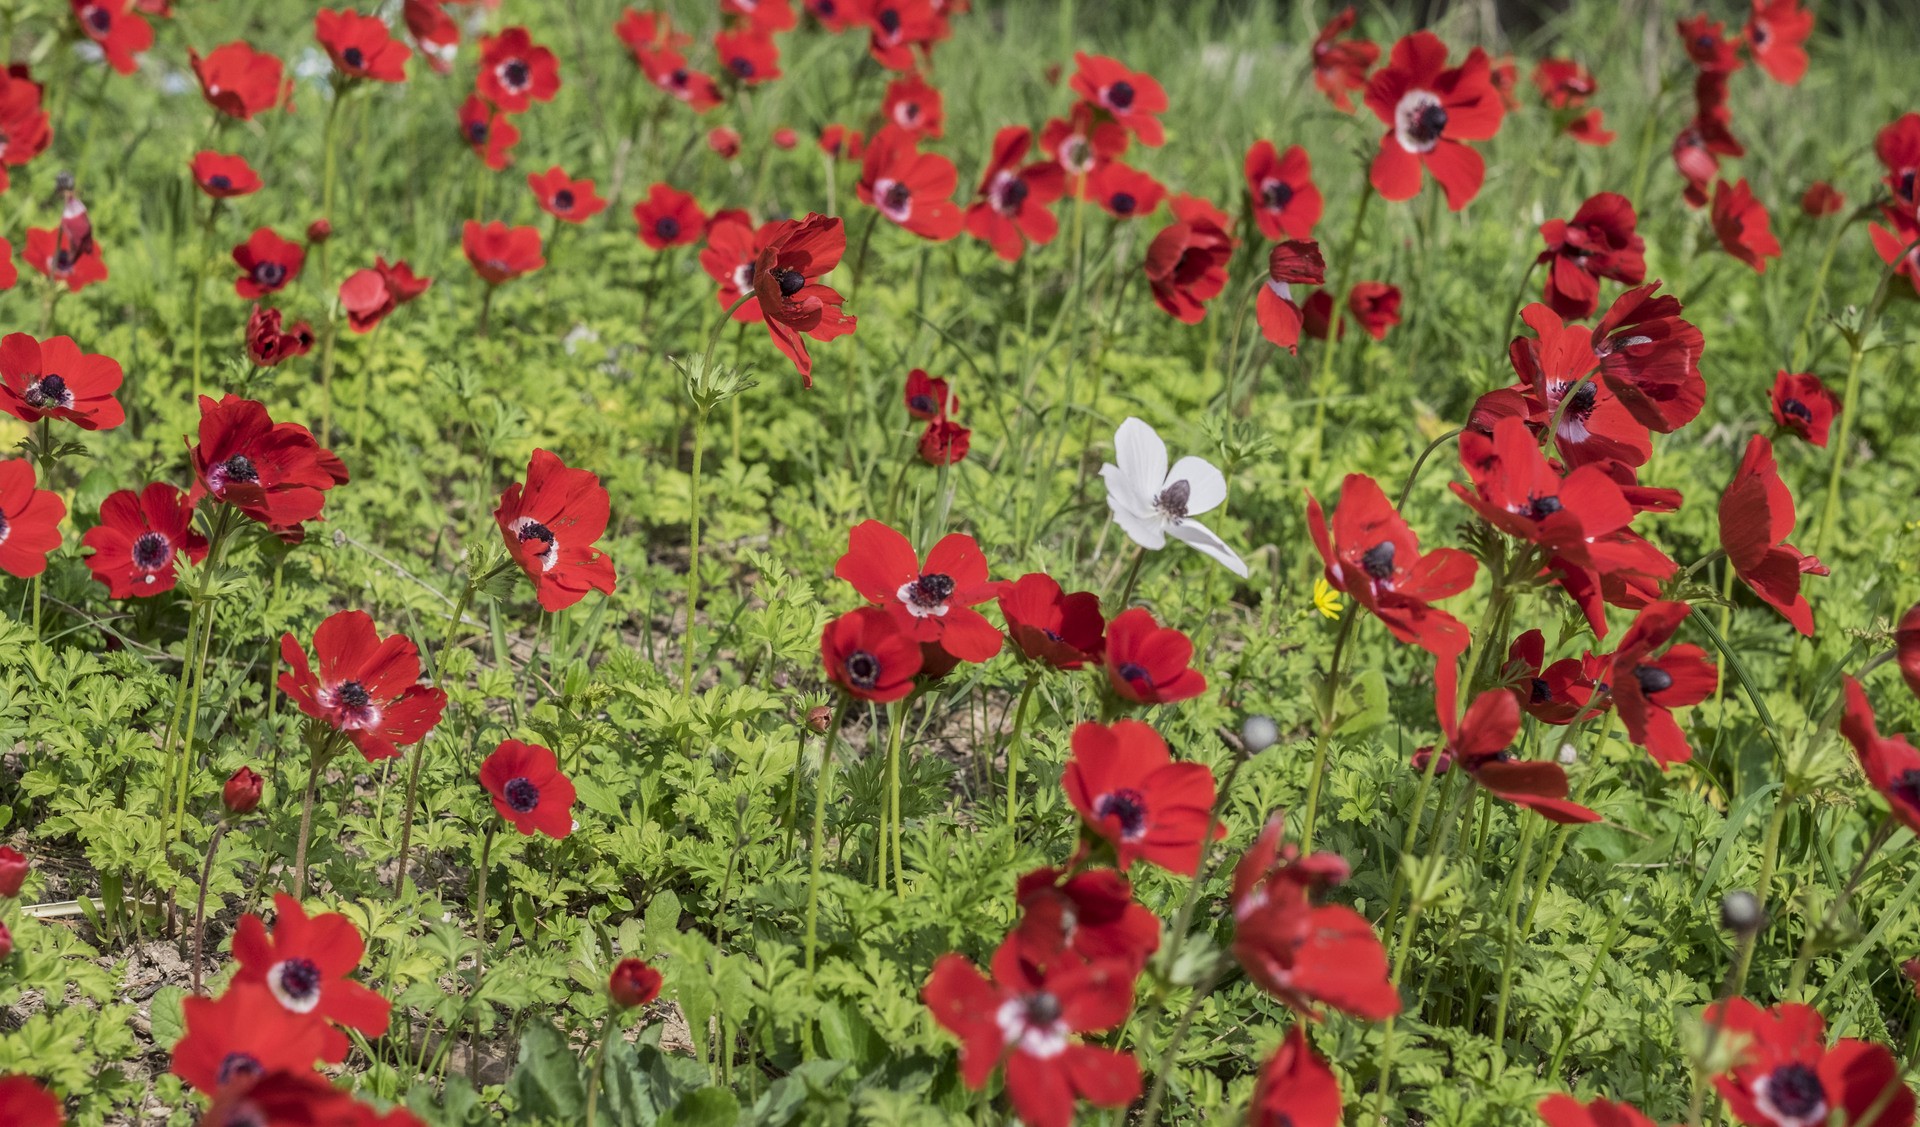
708	1107
169	1022
546	1080
1363	703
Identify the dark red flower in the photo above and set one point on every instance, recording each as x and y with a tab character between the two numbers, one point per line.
14	868
1315	312
1906	645
1481	744
894	28
944	443
1186	263
1089	914
433	31
1598	242
1050	626
1803	405
1774	33
499	253
1429	110
140	538
1371	554
241	794
1296	1087
25	131
867	653
1148	663
268	263
368	295
1650	358
1133	98
633	983
748	54
1897	144
53	379
1645	688
911	188
1558	693
766	16
529	789
914	106
1288	264
243	1034
1708	44
1821	199
294	1099
1026	1019
842	143
516	72
1014	205
30	520
240	81
932	603
1756	516
488	132
1376	306
58	259
1698	148
275	473
118	32
1517	490
1901	241
360	46
1340	65
1561	1110
928	397
1286	205
1131	794
1742	225
550	524
1594	426
1124	192
304	965
566	199
796	253
23	1102
224	177
669	217
368	688
1891	764
1787	1076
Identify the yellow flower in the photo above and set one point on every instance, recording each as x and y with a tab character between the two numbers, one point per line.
1326	600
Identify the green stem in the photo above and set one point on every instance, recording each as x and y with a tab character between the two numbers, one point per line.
816	850
1511	911
1150	1114
316	763
200	906
1803	339
1849	407
199	285
890	820
1328	707
1413	475
1803	962
1519	297
1769	858
420	752
693	546
1341	276
598	1075
1014	750
1133	576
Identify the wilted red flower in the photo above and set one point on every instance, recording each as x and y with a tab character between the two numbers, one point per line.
1480	744
914	106
1787	1074
1708	44
796	253
360	46
1186	262
1089	914
1891	764
909	187
550	524
140	538
1286	205
240	81
928	397
433	31
224	177
1371	553
1048	625
1134	98
1026	1018
31	519
1014	206
867	653
516	72
1756	516
241	794
500	253
1123	191
1148	663
368	295
23	1102
367	687
932	603
14	868
748	54
1131	793
268	263
275	473
1561	1110
1803	405
1274	308
1296	1087
529	789
633	983
1376	306
59	260
1598	242
1645	688
1429	110
669	217
488	132
118	33
53	379
1821	199
1742	225
244	1033
1340	65
304	965
944	442
1650	358
895	27
566	199
1775	32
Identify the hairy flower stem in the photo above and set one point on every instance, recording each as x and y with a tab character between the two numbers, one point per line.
199	286
1849	407
1328	707
200	905
317	761
1133	577
186	701
1231	368
329	163
480	947
815	850
1510	910
1513	310
693	550
420	752
1803	339
1769	858
890	820
1335	317
1015	748
598	1075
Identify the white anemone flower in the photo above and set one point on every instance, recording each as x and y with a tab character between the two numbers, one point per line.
1152	502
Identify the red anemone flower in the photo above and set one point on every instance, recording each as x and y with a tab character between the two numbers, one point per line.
24	1103
1756	516
796	253
914	106
240	81
668	70
1429	110
1148	663
368	295
1050	626
433	31
1340	65
140	538
566	199
1376	306
1708	44
1133	98
1566	86
1089	914
274	473
304	964
1372	554
1481	743
244	1033
929	397
1186	263
224	177
53	379
866	652
648	31
1296	1087
1552	694
368	688
1891	764
516	72
528	789
732	247
1026	1019
1015	202
894	27
294	1099
1803	405
1645	688
766	16
1561	1110
57	259
1821	199
1775	33
911	188
488	132
1124	192
934	602
749	54
842	143
29	520
500	253
25	131
1286	205
360	46
1080	143
118	32
1742	225
1131	794
550	524
669	217
268	263
1787	1075
1594	425
944	443
1897	144
1650	358
1274	308
633	983
1901	242
1598	242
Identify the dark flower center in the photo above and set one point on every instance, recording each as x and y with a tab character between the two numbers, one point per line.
220	180
238	1066
3	528
863	669
1174	498
909	112
1126	805
897	196
889	21
514	74
1275	194
477	132
100	20
1540	508
824	8
521	794
1652	679
299	979
923	403
1906	182
534	530
667	227
678	77
269	273
151	551
930	590
48	391
791	282
1906	787
1120	95
1042	1009
1795	1091
354	57
741	66
240	468
1583	400
62	260
352	695
1796	409
1377	561
1013	194
1705	43
1430	124
1542	692
1123	203
563	200
1135	675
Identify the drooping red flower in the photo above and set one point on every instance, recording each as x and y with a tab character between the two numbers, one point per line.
1708	44
1802	404
244	1033
1561	1110
1429	110
914	105
1015	202
944	443
1123	191
1376	306
268	264
140	538
1650	358
58	259
797	252
1279	316
1050	626
1296	1087
1087	915
1741	223
1558	693
360	46
1026	1019
516	72
869	654
488	132
1286	204
1598	242
633	983
1148	663
304	964
1821	199
749	54
499	253
434	32
1756	516
1134	99
24	1103
564	198
1340	65
367	688
894	28
116	30
53	379
1371	553
1891	764
1131	794
1787	1075
529	789
1775	33
1646	688
370	294
240	81
932	603
1480	744
1187	261
550	524
911	188
275	473
224	177
1897	144
669	217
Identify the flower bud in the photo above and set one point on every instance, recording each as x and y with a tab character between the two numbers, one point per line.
633	983
1426	755
242	792
319	231
1741	913
784	138
1258	733
13	871
819	717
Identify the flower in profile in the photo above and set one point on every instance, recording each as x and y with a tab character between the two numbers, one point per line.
733	245
724	140
1049	625
1286	204
1371	553
268	343
1296	1087
1375	306
367	688
499	253
239	81
911	188
1821	199
24	1103
1891	763
633	983
14	868
305	963
764	16
116	30
1741	223
667	69
669	217
1708	44
368	295
29	520
786	284
1897	144
1289	264
53	379
268	263
1647	688
944	443
1898	242
928	397
1788	1076
1775	33
1134	99
488	132
25	130
913	105
433	31
1562	1110
1015	202
1429	110
516	72
224	177
1150	502
1026	1019
1186	262
1598	242
1132	795
550	524
1148	663
140	538
241	792
1756	516
1340	65
528	789
1088	914
866	653
1552	694
748	54
360	46
243	1034
1124	192
932	603
564	198
895	27
1481	743
842	143
60	260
